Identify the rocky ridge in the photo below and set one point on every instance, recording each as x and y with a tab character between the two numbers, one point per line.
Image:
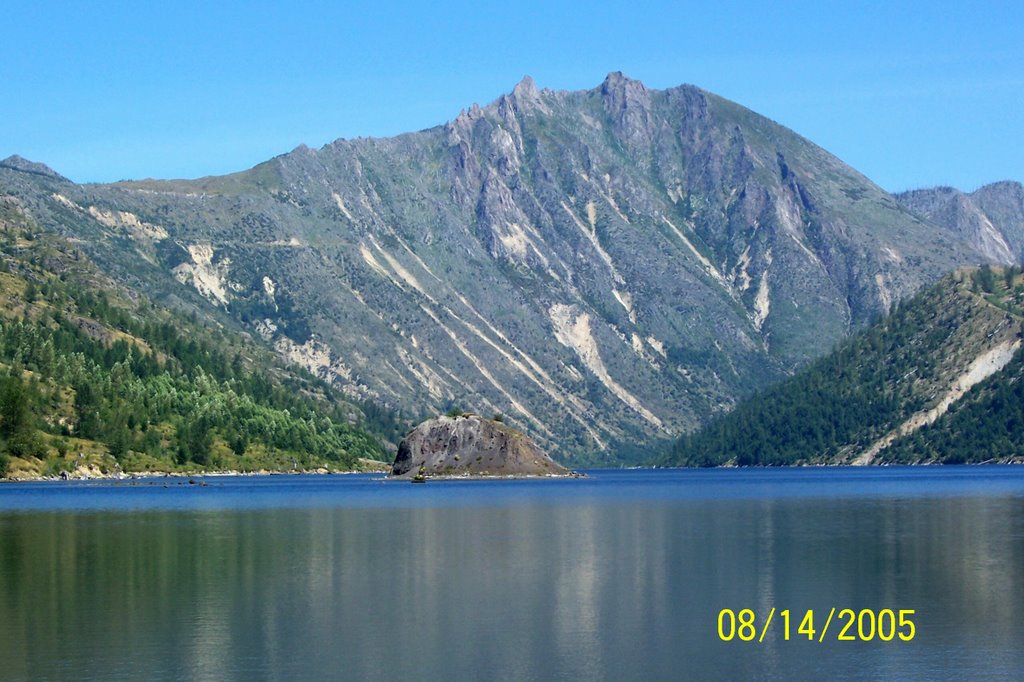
990	219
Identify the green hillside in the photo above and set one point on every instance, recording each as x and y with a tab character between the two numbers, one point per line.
94	378
936	381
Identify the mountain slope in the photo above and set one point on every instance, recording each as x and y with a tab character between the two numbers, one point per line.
913	387
94	378
990	219
608	268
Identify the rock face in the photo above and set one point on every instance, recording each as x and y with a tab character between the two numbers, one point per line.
470	445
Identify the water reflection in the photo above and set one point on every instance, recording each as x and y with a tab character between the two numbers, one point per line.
625	589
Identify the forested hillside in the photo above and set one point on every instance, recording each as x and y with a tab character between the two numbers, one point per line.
94	378
986	426
937	380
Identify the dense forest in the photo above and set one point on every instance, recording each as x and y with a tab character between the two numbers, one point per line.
899	367
97	377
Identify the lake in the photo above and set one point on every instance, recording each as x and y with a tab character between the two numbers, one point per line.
623	575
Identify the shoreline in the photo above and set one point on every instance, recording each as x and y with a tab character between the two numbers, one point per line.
95	475
155	475
83	474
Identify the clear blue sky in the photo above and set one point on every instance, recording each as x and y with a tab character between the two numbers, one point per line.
911	94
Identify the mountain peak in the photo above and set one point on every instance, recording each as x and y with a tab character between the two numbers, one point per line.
617	80
621	92
20	163
1001	186
526	88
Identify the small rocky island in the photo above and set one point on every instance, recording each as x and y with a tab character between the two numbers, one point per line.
470	446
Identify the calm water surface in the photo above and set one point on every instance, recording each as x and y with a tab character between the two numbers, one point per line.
619	576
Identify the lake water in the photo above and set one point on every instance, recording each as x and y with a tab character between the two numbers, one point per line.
619	576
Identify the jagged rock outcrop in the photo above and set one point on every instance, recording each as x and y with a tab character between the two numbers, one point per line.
469	445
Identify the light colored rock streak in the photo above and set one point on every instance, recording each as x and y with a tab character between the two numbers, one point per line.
983	366
591	235
401	376
993	245
892	255
533	364
763	302
417	259
607	195
625	299
340	203
573	331
792	224
373	262
883	291
400	270
657	345
641	350
316	357
464	349
63	200
518	242
129	222
437	387
709	267
810	254
209	280
740	271
403	275
571	403
291	242
543	381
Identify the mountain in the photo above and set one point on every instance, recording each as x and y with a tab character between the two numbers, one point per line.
938	380
990	219
94	379
607	268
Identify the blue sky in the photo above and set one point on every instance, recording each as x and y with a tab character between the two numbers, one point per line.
911	94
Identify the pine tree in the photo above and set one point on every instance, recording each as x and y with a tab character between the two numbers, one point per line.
16	420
